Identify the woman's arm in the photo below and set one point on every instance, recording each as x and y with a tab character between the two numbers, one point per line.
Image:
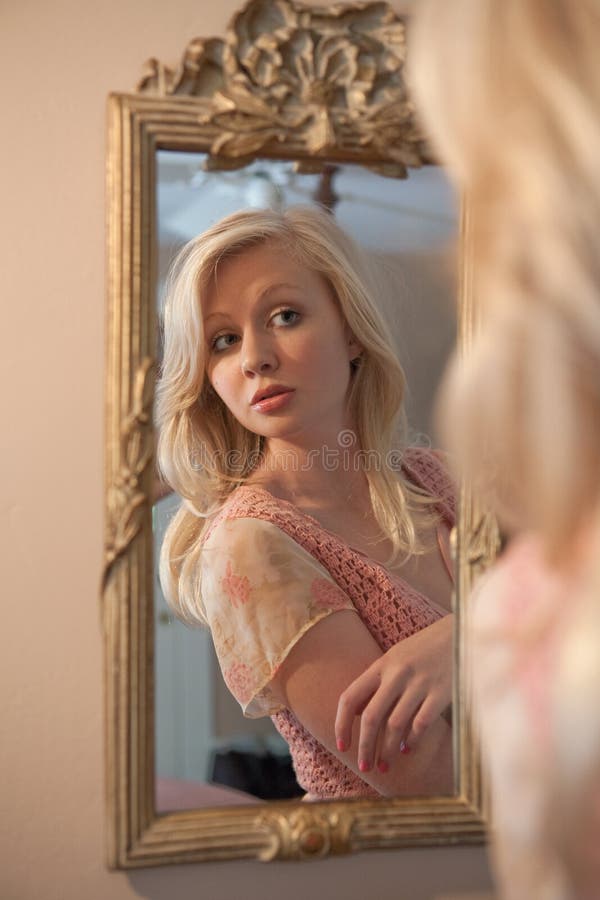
287	635
321	666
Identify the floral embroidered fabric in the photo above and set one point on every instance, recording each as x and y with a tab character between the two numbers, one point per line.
270	572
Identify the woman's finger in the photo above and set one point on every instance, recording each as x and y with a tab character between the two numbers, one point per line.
372	726
352	702
398	725
428	713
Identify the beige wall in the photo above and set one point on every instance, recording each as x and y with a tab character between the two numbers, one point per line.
60	58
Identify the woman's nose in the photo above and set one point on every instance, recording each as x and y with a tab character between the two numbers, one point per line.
258	357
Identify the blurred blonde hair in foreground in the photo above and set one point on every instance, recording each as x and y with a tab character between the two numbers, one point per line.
510	93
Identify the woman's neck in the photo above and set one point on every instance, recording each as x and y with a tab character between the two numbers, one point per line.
314	479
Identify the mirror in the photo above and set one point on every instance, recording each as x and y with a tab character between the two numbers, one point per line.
236	125
207	753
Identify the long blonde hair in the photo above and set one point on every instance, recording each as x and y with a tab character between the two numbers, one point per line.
510	92
204	453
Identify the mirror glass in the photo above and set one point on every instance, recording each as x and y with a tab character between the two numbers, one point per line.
207	753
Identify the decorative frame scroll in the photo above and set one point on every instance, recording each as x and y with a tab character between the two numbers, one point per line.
320	86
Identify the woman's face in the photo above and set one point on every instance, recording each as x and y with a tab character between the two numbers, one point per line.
273	325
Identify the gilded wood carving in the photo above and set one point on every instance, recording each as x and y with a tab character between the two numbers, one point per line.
314	79
126	497
319	86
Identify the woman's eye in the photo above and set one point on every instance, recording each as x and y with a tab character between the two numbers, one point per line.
221	342
289	316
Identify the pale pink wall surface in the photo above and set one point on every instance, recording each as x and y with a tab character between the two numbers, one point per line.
59	60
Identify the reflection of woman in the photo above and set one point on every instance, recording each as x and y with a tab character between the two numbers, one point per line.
511	89
301	541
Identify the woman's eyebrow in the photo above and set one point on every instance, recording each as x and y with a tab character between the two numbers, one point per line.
274	287
224	315
271	288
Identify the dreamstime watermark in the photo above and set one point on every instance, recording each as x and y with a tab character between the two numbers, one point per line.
346	457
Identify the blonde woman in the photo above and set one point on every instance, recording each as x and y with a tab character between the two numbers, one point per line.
309	538
510	90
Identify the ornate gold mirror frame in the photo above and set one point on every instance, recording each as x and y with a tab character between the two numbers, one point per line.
288	82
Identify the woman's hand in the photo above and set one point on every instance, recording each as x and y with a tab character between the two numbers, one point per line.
399	696
327	659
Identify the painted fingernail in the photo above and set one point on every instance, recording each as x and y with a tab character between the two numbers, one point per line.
383	766
404	748
364	766
341	745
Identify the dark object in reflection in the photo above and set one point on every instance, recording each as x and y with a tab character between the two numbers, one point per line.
269	776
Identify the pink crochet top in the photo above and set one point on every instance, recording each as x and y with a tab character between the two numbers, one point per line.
269	572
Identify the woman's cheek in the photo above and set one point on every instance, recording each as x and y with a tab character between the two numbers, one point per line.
215	374
218	388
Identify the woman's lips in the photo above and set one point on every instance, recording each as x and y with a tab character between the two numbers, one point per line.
276	401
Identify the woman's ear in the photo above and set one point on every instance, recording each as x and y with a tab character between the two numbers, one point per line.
354	347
